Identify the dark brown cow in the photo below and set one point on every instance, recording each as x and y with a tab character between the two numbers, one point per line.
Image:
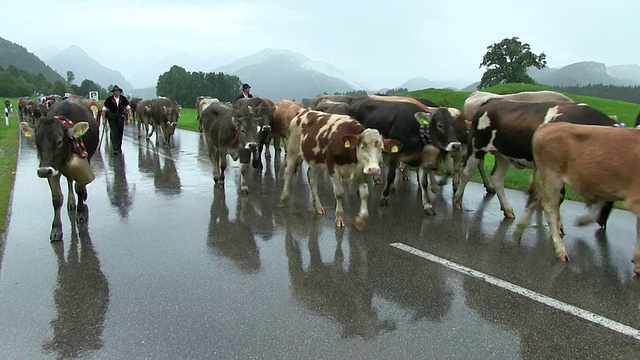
23	113
332	107
263	108
340	144
165	114
505	128
61	154
229	132
134	105
143	117
601	165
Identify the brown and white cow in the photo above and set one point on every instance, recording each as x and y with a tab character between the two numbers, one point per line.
564	153
203	102
505	129
229	132
61	153
344	147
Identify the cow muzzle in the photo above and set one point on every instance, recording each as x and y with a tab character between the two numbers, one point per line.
266	128
251	145
372	170
453	146
46	172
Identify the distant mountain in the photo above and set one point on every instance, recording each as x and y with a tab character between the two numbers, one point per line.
471	87
145	93
16	55
630	71
580	73
419	83
147	76
84	66
283	74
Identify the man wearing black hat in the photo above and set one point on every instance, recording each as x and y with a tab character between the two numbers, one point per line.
113	110
245	92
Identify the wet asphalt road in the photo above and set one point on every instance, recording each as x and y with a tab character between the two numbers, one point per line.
169	268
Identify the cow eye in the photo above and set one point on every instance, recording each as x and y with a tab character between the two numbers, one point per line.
59	143
242	130
364	145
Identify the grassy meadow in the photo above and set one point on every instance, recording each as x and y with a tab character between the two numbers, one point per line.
9	137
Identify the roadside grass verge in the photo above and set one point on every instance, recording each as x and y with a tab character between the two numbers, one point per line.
9	138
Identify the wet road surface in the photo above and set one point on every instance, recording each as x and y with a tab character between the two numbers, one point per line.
167	268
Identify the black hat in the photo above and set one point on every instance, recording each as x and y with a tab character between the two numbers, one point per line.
116	87
246	86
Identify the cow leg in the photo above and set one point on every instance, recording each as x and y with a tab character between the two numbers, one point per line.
338	193
82	213
592	213
427	207
291	165
551	187
457	168
276	145
435	188
218	176
391	177
499	173
604	215
267	152
57	199
485	178
403	168
363	214
312	177
472	163
71	201
525	219
244	171
447	164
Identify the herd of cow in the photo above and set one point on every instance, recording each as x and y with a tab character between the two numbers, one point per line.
564	141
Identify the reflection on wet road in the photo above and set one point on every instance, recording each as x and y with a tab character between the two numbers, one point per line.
169	267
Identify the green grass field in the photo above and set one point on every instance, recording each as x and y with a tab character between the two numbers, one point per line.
519	179
9	137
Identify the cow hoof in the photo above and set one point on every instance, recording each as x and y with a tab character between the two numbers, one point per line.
562	257
429	211
602	223
339	223
81	218
244	189
490	190
509	214
457	205
377	182
384	202
436	190
359	224
56	235
320	211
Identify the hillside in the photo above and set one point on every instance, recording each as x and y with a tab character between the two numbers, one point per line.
580	73
418	83
16	55
282	74
84	66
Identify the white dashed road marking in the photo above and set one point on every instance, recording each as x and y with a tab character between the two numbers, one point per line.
543	299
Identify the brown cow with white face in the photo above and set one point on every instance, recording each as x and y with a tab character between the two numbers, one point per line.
344	147
601	165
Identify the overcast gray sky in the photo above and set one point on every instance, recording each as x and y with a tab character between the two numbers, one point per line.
380	43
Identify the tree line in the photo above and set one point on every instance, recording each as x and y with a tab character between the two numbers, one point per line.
614	92
15	82
184	86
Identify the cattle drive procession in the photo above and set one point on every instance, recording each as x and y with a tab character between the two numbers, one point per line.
424	259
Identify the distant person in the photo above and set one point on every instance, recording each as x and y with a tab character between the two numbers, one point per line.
7	110
113	110
246	92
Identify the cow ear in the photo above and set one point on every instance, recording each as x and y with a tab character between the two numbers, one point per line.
423	117
235	121
392	146
27	130
350	141
80	128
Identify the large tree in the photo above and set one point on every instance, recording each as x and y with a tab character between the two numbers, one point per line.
508	61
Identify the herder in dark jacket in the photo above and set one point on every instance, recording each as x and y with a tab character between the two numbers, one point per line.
245	92
113	110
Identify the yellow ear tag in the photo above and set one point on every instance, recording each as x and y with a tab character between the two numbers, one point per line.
394	149
26	131
347	144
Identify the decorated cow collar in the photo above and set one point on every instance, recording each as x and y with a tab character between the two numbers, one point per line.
77	145
424	131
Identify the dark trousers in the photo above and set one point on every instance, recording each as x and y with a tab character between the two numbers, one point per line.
116	127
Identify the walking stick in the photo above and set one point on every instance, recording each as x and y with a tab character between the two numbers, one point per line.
104	129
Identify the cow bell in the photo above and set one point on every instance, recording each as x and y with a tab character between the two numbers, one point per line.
79	169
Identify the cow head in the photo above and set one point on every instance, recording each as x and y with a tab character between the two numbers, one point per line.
438	128
171	117
246	129
369	145
53	142
265	113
